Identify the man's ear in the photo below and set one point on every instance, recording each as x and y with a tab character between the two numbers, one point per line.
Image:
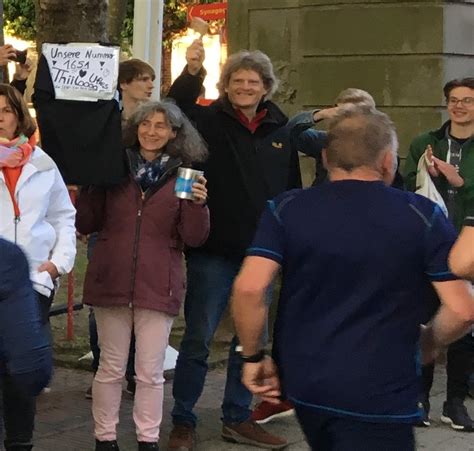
389	166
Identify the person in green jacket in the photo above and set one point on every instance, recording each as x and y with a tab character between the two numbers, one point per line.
450	151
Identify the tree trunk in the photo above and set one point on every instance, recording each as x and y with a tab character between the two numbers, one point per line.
116	16
3	69
67	21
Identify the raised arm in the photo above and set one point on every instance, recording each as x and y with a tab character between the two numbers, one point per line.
188	86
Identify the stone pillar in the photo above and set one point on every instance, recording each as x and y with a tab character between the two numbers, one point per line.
402	52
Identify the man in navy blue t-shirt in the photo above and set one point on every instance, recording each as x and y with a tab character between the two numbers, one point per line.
355	255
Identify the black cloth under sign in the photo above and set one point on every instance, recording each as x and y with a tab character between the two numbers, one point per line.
83	138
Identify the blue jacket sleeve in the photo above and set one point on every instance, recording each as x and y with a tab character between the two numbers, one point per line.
307	140
26	352
311	142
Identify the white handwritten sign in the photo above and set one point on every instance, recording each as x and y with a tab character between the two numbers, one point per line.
83	71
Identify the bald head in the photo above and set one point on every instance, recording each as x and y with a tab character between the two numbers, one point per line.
359	137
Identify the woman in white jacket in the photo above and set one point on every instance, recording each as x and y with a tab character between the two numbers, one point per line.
37	214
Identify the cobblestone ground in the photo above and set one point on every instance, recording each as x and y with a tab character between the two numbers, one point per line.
64	419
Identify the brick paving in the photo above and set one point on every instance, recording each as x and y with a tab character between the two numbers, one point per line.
64	420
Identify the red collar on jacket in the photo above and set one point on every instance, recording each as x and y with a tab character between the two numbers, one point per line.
255	122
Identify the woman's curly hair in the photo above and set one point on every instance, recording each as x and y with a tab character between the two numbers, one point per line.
188	144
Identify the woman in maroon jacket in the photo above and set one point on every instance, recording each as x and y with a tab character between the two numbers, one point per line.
135	279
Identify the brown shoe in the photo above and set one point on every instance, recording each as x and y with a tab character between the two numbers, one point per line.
250	433
182	438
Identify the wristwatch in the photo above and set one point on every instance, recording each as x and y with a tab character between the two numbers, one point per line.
255	358
469	221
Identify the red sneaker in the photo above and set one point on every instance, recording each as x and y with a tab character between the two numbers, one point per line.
265	411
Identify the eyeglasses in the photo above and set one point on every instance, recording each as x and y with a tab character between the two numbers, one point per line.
466	101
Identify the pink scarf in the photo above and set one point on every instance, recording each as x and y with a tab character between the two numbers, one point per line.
17	152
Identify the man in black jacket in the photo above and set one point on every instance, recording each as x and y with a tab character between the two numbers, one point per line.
25	352
251	160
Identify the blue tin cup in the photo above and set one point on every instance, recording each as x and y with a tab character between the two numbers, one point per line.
184	182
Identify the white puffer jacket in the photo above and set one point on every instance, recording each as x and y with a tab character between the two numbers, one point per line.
45	230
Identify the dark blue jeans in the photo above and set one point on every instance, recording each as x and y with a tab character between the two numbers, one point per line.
330	433
210	280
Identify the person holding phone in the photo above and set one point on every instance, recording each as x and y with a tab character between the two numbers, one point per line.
7	54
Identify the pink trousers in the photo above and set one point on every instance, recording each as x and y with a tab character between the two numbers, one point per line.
114	328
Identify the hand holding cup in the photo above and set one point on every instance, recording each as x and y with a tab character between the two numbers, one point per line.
200	191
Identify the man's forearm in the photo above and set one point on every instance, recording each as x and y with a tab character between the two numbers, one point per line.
447	327
461	258
250	315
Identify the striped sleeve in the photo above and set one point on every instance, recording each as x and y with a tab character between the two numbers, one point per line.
269	238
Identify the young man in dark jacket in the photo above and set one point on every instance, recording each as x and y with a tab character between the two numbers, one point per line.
25	352
251	159
451	151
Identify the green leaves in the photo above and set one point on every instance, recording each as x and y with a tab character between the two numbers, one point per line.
19	18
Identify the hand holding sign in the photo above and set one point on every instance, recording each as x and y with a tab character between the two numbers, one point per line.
86	72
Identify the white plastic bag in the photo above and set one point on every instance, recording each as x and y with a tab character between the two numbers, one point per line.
425	186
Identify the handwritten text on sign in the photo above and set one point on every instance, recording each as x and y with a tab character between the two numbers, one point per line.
83	71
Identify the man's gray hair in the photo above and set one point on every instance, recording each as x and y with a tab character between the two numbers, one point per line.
355	96
256	61
188	144
358	136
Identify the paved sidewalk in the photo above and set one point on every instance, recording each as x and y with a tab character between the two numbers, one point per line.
64	420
